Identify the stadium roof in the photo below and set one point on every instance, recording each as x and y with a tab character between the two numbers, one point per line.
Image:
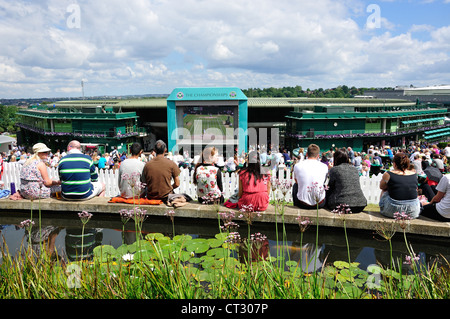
428	90
252	102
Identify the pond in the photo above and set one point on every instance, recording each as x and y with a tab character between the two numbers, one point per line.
366	247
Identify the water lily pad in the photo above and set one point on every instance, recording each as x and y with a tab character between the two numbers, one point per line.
197	247
125	249
182	238
214	242
104	253
154	236
143	255
218	252
291	263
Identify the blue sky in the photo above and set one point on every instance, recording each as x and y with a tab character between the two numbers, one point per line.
154	46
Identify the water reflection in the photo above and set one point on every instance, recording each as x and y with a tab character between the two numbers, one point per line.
63	236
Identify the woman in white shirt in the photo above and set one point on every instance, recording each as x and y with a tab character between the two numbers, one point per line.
439	206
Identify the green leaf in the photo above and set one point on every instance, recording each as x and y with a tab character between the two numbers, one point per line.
125	249
218	252
154	236
291	263
214	242
197	247
104	252
182	238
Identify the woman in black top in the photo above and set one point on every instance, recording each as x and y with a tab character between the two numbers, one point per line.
344	186
399	189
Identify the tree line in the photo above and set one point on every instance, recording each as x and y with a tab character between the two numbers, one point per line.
8	118
342	91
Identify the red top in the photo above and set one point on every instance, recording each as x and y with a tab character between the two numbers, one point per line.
256	195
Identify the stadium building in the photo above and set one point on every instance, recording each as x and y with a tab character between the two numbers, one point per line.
224	116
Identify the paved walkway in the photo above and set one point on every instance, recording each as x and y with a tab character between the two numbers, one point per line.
99	205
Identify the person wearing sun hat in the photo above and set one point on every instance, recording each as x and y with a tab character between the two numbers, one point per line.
35	181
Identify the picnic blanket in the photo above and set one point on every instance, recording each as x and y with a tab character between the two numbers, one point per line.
137	201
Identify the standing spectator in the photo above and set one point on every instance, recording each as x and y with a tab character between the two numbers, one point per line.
79	178
344	186
254	187
207	176
263	156
351	154
287	158
158	174
130	172
35	181
417	162
307	174
399	189
357	161
102	162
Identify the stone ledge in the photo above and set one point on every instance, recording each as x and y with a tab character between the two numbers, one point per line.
100	205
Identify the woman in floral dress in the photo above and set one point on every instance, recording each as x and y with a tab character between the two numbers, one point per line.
35	182
208	178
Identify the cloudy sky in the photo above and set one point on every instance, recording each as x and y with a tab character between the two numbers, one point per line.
152	46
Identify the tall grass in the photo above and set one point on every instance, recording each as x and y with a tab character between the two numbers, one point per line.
182	267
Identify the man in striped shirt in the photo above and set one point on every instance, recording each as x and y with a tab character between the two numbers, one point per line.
79	179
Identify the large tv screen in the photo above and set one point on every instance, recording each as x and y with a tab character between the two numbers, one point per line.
209	122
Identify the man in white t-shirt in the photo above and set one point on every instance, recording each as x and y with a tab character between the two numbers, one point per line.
439	206
447	151
310	176
130	171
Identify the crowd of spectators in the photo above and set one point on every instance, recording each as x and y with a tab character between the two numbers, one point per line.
414	178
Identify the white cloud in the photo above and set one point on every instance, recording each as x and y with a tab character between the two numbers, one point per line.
153	46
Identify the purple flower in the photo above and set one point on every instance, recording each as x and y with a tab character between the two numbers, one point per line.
85	217
342	209
410	259
125	215
402	218
303	223
27	224
318	192
170	214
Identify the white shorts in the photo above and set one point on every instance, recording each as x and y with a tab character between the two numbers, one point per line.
98	188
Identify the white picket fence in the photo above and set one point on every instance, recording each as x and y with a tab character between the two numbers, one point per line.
11	174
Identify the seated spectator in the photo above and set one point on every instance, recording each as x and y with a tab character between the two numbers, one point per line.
377	159
428	186
207	176
437	162
79	178
130	172
34	179
344	186
254	187
439	206
158	174
399	189
310	175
